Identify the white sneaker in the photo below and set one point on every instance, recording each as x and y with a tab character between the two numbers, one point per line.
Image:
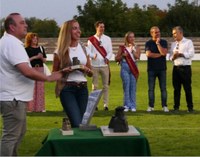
133	110
126	110
150	109
165	109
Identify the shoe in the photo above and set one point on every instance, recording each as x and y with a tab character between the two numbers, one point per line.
133	110
165	109
150	109
106	108
126	110
190	110
176	110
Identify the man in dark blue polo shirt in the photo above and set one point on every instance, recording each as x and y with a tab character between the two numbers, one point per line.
156	50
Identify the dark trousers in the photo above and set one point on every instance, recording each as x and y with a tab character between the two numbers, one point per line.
182	75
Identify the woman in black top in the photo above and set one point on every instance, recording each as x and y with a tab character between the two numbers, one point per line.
37	58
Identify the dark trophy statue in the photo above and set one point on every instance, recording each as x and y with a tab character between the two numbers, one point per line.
118	122
75	61
66	124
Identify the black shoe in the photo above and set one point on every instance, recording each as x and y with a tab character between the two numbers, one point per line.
190	110
96	109
176	110
106	108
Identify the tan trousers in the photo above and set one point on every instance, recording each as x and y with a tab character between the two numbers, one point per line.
104	72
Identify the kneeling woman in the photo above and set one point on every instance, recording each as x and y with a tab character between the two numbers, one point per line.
72	89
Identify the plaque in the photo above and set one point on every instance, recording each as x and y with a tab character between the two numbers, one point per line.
93	101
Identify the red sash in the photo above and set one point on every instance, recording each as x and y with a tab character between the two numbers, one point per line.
130	62
99	48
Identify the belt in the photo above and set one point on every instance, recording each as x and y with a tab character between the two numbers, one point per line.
77	84
182	66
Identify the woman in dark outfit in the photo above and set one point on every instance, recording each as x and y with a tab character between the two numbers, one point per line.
37	58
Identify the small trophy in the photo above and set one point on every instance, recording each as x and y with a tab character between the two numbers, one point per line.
75	63
66	127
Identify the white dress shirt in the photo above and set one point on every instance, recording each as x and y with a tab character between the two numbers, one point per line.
185	46
107	44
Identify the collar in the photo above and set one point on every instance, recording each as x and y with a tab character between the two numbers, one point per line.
13	37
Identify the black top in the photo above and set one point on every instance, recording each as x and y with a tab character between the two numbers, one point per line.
34	52
156	63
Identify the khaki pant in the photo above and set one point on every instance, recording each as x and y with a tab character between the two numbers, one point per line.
104	72
14	126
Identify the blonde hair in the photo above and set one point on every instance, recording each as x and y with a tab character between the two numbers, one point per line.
29	37
126	43
63	43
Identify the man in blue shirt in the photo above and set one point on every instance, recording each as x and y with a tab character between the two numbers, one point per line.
156	50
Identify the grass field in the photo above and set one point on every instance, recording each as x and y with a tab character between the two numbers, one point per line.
169	134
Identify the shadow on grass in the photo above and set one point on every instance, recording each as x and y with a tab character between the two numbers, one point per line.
143	112
110	113
47	113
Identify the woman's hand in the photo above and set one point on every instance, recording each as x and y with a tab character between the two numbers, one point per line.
67	70
86	70
40	56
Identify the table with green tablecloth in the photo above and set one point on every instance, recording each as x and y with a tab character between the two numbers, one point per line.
93	143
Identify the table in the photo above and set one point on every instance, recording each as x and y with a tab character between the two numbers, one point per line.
93	143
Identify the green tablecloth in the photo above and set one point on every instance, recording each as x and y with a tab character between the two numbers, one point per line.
93	143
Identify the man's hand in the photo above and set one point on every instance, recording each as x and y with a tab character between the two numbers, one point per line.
106	61
177	55
54	76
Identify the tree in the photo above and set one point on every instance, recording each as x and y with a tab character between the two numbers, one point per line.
44	28
117	17
109	11
185	15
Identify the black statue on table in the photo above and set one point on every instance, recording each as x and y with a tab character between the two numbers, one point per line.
118	122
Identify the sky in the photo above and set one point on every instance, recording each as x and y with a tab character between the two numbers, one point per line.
60	10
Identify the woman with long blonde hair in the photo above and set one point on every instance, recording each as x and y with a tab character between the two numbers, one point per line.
72	58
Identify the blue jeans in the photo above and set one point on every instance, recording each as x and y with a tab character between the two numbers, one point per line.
129	86
74	101
162	83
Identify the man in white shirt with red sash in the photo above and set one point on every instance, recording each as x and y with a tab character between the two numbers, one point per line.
100	46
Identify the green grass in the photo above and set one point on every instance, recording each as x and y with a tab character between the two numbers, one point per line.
169	134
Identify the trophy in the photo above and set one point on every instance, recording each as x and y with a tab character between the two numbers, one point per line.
66	124
75	63
66	127
119	122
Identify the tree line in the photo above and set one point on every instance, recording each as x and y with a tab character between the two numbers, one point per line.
119	19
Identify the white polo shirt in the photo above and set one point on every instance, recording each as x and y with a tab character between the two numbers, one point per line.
13	84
